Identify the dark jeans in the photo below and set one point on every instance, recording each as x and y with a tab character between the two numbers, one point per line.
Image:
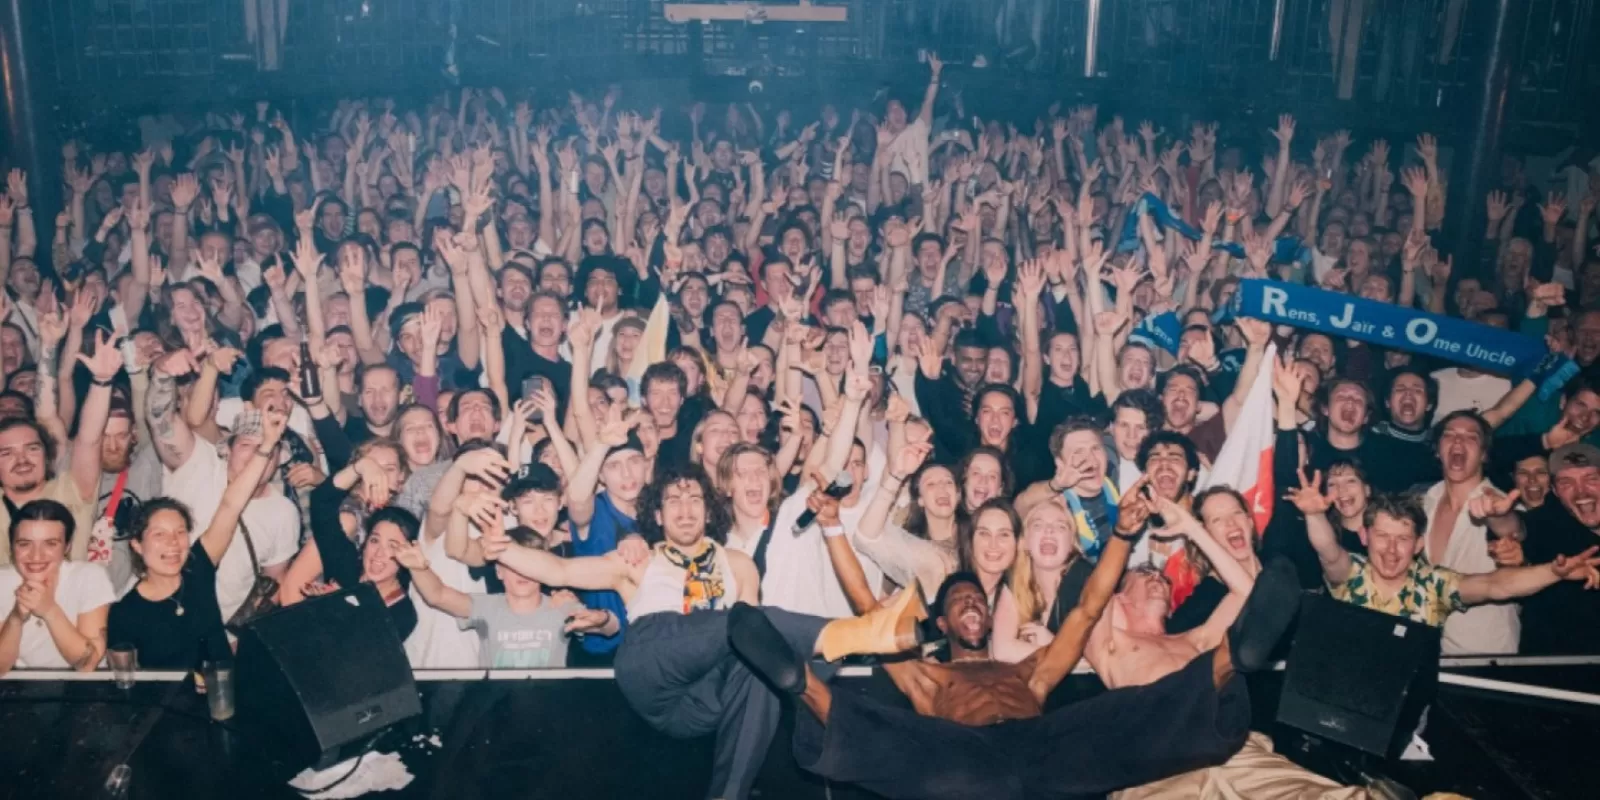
1121	738
678	672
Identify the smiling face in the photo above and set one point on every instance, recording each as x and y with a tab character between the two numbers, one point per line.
22	459
1580	413
1167	466
937	493
377	553
1392	546
752	418
983	481
1532	479
1230	523
683	513
1136	368
1408	401
1347	408
1579	490
1350	492
1048	537
750	484
996	418
965	616
1462	450
1180	398
39	548
994	543
538	510
163	545
474	417
1128	431
419	436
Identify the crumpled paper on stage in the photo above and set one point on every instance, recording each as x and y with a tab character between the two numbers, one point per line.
378	772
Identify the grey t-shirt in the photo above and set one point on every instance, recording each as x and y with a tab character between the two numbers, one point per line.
520	641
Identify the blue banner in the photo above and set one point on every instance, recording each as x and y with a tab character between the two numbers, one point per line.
1479	347
1161	330
1286	249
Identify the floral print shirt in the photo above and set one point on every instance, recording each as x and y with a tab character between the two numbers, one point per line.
1430	595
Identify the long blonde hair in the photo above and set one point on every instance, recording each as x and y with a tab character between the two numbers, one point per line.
1025	590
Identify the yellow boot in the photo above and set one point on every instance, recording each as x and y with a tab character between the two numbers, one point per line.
892	627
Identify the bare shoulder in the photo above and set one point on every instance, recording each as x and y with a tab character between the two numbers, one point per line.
744	570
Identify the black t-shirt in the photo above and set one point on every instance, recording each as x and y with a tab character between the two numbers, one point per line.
165	637
522	362
1056	404
674	452
1562	619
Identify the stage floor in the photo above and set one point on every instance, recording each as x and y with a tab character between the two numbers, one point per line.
573	737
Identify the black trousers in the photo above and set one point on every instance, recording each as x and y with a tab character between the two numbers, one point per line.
1121	738
678	672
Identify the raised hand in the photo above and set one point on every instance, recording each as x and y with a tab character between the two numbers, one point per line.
1284	133
1584	566
613	430
486	465
1554	207
1415	181
1286	382
1492	503
910	459
1135	508
410	556
1307	497
106	361
184	190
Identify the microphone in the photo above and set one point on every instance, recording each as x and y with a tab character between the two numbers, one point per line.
841	486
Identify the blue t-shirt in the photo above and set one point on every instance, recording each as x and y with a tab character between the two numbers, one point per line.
607	528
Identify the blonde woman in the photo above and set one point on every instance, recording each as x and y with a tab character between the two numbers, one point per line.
1022	614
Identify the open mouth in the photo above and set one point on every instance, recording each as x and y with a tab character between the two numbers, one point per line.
1456	460
1048	548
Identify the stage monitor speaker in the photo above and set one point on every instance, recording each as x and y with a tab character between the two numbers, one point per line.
1359	677
324	676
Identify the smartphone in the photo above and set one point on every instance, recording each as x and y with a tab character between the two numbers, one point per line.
531	385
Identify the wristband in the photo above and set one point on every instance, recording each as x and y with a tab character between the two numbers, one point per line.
98	382
833	532
1130	538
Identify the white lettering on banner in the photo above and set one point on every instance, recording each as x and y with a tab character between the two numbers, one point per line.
1272	301
1344	322
1421	331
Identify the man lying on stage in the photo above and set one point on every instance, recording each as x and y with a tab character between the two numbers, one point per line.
674	666
979	727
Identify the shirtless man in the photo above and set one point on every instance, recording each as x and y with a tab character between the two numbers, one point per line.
979	726
674	666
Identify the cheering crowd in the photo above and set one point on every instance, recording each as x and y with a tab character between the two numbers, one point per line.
549	377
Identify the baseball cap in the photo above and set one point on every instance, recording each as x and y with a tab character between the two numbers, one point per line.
530	478
1574	456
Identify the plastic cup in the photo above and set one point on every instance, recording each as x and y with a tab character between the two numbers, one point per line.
124	661
219	689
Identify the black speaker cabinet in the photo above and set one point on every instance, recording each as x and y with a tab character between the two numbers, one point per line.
324	676
1359	677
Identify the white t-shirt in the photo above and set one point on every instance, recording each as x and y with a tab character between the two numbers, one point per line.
1457	391
81	587
273	520
439	641
800	575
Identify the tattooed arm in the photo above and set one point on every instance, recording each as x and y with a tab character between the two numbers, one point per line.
173	439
